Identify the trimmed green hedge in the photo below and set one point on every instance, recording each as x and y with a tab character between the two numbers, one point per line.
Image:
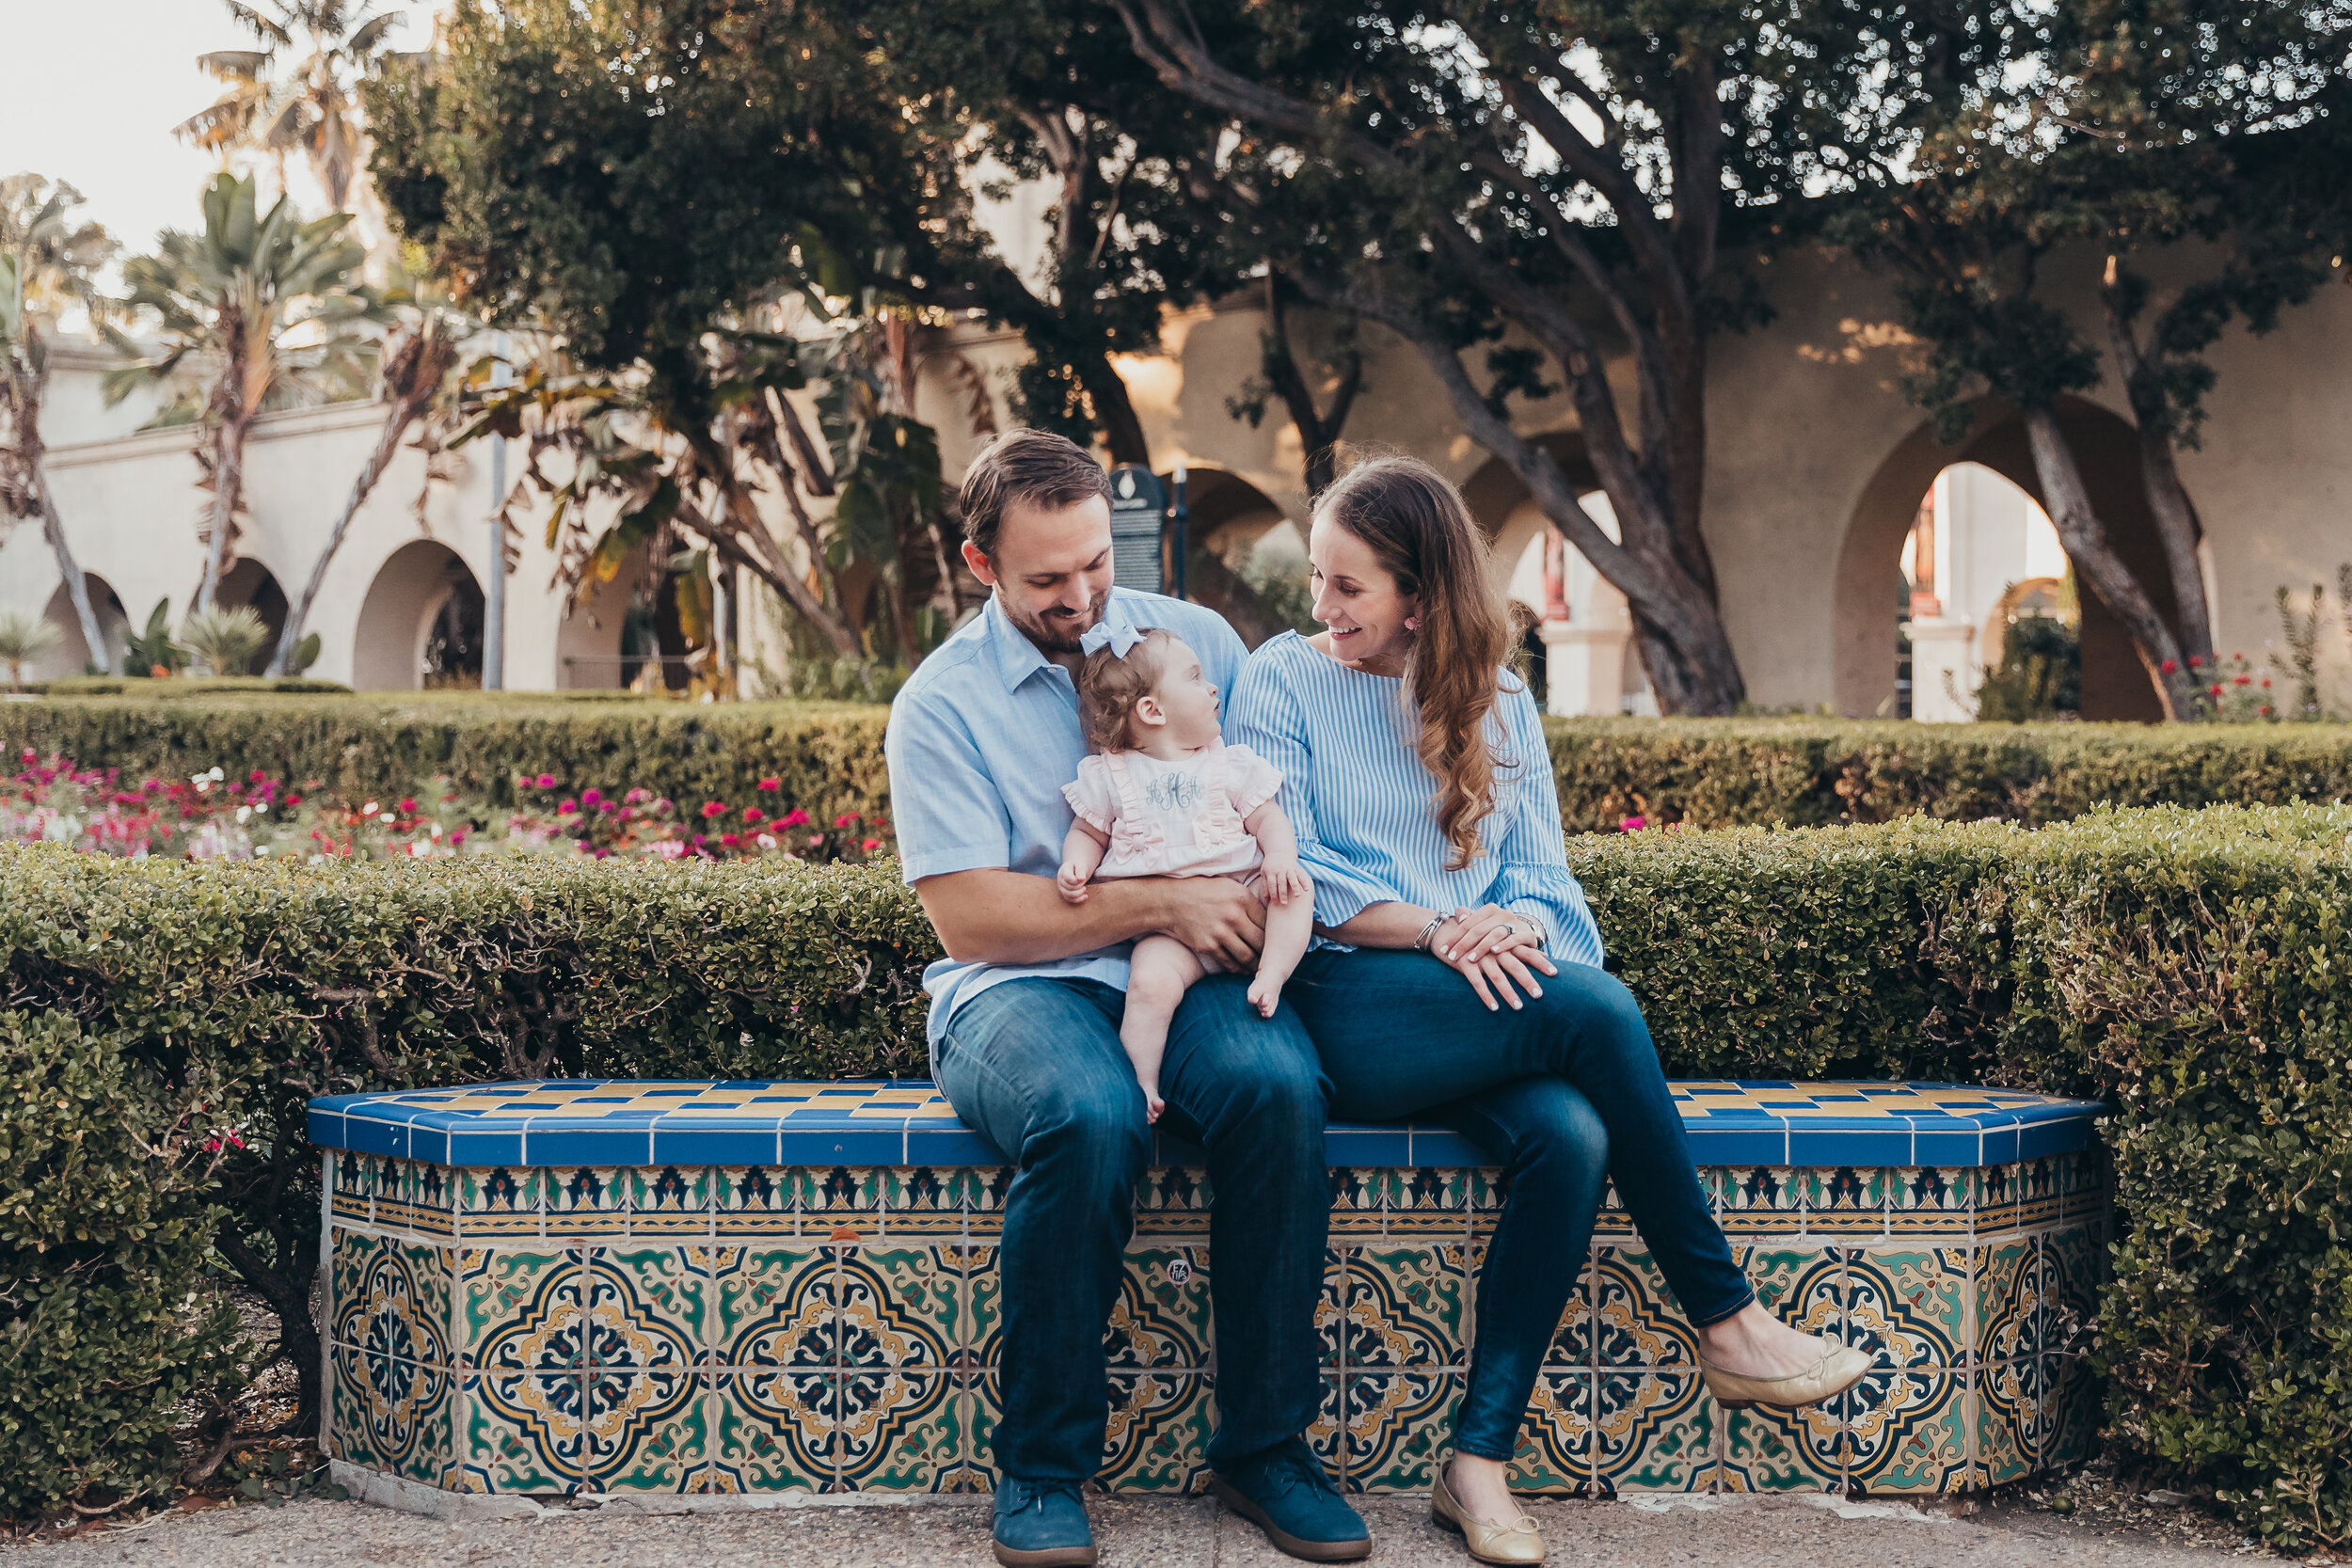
2189	967
1711	773
827	755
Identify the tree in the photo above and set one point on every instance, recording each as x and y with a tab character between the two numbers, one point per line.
414	370
1281	376
24	636
298	92
47	260
257	312
1565	174
2202	133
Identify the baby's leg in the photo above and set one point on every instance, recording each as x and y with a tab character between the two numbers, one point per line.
1159	974
1288	928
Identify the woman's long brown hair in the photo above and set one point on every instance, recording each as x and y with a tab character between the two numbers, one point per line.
1422	531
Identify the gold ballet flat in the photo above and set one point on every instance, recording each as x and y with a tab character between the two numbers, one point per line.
1518	1542
1840	1368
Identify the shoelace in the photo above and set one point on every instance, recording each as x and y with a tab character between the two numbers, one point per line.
1289	1472
1033	1492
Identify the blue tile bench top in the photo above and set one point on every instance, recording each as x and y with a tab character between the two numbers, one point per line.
906	1122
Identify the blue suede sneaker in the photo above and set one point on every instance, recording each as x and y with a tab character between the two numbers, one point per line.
1042	1524
1283	1491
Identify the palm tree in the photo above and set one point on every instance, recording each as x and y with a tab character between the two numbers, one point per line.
46	261
256	313
416	368
25	636
225	637
295	92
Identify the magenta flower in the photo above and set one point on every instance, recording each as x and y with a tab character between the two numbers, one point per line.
714	809
545	781
769	783
1632	824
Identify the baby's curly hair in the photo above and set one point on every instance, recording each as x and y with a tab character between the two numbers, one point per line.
1110	686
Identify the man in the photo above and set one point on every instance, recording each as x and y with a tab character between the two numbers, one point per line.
1024	1032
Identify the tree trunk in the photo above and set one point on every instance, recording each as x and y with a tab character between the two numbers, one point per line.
2103	571
763	554
76	585
2159	472
396	425
228	479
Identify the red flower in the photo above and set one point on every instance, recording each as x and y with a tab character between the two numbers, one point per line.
769	783
2171	666
753	815
2217	691
408	806
2266	705
730	840
796	817
1632	824
293	799
871	845
2244	680
847	819
714	808
256	776
2195	662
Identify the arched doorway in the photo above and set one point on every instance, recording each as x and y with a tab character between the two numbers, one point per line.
1239	539
420	624
255	587
71	656
1869	564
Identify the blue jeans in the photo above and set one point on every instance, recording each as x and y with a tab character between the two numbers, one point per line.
1561	1093
1036	1065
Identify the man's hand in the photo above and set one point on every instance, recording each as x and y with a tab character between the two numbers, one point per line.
1216	914
1072	881
1282	880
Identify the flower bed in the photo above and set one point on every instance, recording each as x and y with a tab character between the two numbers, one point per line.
211	815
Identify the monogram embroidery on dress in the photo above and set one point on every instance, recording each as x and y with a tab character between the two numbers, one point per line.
1173	791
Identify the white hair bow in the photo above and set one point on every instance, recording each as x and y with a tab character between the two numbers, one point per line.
1119	637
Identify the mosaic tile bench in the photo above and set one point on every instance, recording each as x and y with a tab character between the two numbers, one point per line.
766	1289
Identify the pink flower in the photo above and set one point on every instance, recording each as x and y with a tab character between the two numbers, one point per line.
636	796
815	840
408	806
871	845
545	781
847	819
769	783
714	809
753	815
591	797
730	840
796	817
566	806
1632	824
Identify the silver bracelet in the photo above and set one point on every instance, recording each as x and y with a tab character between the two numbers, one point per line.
1421	942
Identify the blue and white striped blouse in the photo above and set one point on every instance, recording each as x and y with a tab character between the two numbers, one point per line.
1358	797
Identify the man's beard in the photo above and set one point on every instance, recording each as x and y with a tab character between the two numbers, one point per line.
1057	633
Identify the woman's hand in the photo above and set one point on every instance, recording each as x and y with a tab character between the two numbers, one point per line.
1499	951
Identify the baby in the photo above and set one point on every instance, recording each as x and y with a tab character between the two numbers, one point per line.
1164	796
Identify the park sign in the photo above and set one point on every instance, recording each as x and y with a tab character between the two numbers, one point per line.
1139	510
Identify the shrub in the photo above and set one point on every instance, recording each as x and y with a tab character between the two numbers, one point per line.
828	756
107	1325
2189	967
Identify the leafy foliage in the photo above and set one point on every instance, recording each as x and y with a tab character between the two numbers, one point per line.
2039	676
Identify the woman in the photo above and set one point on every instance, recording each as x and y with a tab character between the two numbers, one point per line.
1461	979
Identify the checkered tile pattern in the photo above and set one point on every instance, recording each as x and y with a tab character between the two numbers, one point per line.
570	1122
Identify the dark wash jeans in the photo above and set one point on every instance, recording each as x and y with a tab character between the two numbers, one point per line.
1036	1065
1560	1093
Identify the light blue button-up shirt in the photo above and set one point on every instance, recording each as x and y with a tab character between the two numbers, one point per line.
981	739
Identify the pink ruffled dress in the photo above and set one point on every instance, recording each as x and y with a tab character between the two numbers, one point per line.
1175	818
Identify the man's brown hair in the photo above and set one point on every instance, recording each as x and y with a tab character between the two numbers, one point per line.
1033	468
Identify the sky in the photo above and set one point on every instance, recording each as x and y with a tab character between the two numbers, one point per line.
90	90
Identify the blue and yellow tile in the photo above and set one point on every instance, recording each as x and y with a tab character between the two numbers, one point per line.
1803	1286
1157	1437
2076	1409
1398	1424
1654	1433
1554	1456
588	1202
2074	1266
774	1307
1907	1432
899	1431
1636	1320
520	1312
899	1305
1407	1307
2008	1312
650	1308
645	1430
1161	1320
521	1432
1999	1407
1908	1306
1761	1200
668	1200
1847	1201
1782	1450
771	1431
748	1201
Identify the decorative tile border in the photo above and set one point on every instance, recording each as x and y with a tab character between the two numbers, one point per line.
711	1330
